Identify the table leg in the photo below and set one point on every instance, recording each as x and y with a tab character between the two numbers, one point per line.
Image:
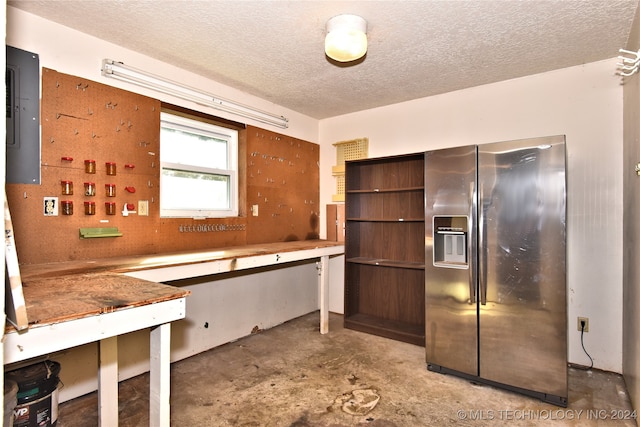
323	282
159	376
108	382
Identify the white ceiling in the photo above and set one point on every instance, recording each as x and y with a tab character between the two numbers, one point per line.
274	49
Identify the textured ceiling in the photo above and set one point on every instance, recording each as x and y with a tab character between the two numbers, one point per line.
274	49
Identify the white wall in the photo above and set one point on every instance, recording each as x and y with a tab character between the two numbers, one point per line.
585	104
631	295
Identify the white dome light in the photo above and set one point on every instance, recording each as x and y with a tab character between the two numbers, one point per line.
346	38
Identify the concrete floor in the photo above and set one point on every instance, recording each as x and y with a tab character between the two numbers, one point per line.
293	376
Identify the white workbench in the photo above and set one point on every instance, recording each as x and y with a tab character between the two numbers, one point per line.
178	266
78	302
67	311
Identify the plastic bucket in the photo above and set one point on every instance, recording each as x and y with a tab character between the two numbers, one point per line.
37	398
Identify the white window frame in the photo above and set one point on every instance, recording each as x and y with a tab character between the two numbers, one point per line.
168	119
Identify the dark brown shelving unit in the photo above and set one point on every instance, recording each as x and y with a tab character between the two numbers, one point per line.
384	247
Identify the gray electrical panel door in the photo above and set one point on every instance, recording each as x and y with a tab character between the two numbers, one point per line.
23	117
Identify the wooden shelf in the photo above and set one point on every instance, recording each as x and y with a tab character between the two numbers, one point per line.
387	219
384	247
400	331
385	190
387	263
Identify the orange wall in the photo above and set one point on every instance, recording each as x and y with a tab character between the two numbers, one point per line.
82	119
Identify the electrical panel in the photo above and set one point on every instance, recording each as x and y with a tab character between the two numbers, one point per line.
23	116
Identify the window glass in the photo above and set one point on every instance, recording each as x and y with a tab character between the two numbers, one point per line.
199	168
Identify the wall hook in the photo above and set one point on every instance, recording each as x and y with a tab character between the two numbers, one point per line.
630	61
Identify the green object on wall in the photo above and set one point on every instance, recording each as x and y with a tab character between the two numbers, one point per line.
90	233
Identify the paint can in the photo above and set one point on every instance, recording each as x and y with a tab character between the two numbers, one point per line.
10	401
37	397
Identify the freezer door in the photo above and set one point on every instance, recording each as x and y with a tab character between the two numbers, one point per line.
451	311
522	274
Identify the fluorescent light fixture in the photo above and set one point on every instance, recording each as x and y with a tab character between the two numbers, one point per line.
119	71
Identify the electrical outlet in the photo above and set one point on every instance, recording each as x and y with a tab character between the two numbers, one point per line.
50	207
143	208
586	324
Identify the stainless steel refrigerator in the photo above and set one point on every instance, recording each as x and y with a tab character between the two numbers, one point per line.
495	265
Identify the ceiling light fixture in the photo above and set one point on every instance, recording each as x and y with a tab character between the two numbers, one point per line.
119	71
346	38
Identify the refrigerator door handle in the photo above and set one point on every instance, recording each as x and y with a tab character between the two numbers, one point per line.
482	250
472	291
471	246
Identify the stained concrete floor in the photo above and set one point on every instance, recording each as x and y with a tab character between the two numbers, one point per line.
293	376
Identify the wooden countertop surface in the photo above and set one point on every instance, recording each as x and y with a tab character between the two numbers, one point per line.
63	291
145	262
61	298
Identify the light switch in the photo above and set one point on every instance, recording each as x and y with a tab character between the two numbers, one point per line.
254	210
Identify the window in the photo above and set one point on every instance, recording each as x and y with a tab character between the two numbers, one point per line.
199	169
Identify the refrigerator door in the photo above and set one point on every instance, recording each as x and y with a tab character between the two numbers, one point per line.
522	247
450	293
